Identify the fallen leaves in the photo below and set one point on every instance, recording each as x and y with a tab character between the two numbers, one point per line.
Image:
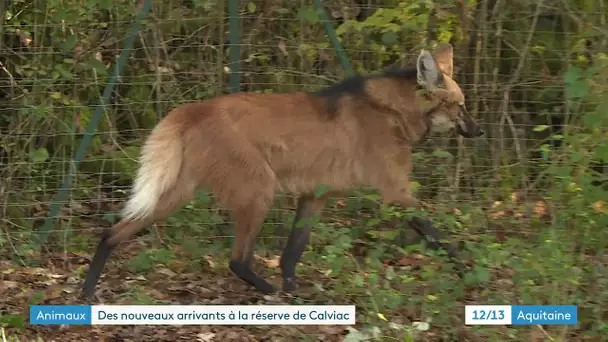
272	262
283	47
421	326
166	272
518	209
600	207
210	262
8	271
8	284
57	284
205	337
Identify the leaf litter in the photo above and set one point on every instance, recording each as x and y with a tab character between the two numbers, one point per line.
58	283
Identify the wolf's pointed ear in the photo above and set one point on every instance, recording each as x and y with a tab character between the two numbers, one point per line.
429	75
444	57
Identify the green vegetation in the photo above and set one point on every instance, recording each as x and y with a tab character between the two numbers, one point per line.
529	201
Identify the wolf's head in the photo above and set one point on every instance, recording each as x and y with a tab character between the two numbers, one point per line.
445	108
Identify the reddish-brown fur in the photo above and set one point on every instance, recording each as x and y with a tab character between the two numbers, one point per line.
245	147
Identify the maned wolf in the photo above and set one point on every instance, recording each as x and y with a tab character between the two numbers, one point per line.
244	147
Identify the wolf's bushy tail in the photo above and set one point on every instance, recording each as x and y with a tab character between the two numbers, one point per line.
160	164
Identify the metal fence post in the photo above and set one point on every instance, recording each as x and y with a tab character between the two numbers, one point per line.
235	46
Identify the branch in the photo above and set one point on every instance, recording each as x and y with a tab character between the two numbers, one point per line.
511	84
524	53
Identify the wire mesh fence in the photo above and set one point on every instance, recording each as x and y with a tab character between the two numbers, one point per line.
510	59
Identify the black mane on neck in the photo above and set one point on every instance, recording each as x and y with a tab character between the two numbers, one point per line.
355	85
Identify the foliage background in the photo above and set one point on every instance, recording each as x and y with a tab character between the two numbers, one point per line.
527	200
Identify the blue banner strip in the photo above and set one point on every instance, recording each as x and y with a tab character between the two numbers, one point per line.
520	314
544	314
60	314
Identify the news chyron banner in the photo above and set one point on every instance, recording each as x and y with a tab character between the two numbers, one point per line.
193	314
278	314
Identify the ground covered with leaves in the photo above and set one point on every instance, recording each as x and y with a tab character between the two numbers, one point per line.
401	290
56	283
411	296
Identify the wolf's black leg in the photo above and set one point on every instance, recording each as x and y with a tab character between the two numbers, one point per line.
424	227
244	270
297	242
103	252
